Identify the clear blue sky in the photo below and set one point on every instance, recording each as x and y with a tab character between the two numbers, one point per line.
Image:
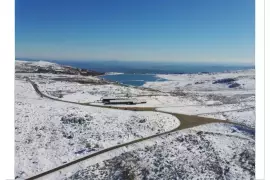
151	30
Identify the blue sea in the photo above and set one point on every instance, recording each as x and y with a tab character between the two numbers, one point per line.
132	79
137	73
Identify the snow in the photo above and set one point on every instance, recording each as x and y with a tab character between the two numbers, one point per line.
245	117
159	101
208	76
204	82
90	93
198	110
34	64
43	63
207	101
212	100
213	103
49	133
49	78
212	151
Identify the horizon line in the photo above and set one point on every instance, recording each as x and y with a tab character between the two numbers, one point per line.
148	61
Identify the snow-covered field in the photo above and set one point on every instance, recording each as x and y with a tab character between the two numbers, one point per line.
195	94
205	82
49	133
212	151
215	93
92	92
246	117
36	63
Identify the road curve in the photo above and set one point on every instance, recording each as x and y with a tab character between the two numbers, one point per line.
186	121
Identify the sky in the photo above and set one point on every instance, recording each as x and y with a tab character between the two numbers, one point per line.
136	30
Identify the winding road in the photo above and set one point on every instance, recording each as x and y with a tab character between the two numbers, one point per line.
186	121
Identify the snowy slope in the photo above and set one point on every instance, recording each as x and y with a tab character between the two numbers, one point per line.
233	104
213	151
28	65
214	95
49	133
205	82
48	67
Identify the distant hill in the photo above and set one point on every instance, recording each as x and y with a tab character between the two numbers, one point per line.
49	67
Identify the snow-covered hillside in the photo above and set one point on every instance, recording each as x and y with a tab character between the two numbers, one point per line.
212	151
49	67
49	133
229	95
232	82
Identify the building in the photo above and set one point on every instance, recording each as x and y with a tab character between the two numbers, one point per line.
108	99
121	101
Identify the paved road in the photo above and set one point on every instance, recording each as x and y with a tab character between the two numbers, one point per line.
186	121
